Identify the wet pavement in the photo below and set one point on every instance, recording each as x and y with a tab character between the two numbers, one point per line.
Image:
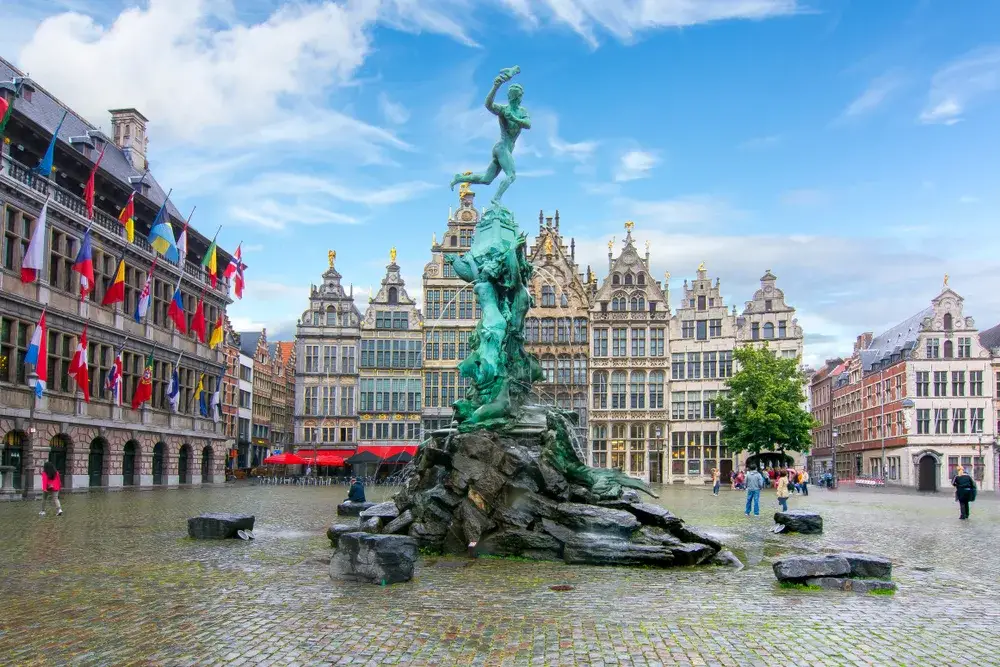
116	581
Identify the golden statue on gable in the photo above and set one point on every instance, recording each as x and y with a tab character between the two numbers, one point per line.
548	245
946	280
629	225
331	257
611	244
701	267
464	188
392	255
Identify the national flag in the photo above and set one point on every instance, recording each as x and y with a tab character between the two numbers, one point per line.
174	391
84	265
44	167
211	263
216	338
203	397
5	113
34	257
88	192
116	290
234	272
113	383
182	245
144	388
217	400
127	218
198	320
38	355
142	303
161	234
78	366
176	310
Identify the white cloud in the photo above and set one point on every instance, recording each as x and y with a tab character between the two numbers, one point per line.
878	92
805	197
960	84
272	214
759	143
969	199
624	18
298	184
688	210
253	247
393	112
636	164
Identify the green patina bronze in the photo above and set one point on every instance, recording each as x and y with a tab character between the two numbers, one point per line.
500	370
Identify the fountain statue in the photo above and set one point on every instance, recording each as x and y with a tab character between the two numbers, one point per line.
510	477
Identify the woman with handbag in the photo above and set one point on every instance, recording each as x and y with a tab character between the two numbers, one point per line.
782	486
965	492
51	483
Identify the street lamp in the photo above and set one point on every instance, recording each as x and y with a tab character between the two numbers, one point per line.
835	433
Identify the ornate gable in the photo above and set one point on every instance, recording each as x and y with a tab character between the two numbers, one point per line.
555	264
629	274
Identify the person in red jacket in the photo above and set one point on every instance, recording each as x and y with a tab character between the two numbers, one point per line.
51	483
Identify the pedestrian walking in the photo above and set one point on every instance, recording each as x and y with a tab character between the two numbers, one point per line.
782	486
804	481
51	483
716	481
965	492
754	483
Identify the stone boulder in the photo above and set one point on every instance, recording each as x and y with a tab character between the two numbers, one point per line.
399	524
691	553
727	559
605	550
692	534
521	542
856	585
372	524
219	526
797	569
386	511
597	520
376	559
868	566
347	508
800	521
336	530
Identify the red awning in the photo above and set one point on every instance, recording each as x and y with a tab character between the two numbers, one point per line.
325	458
385	451
284	459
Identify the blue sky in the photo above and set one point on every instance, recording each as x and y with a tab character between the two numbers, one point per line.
851	147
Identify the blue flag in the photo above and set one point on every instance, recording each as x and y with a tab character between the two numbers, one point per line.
44	167
174	392
161	235
204	399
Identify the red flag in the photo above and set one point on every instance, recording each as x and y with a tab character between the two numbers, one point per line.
88	192
78	366
198	321
144	388
84	265
234	271
176	311
116	290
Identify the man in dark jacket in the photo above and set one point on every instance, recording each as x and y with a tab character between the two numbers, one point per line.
965	492
357	491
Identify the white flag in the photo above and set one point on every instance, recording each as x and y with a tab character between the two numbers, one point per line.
34	259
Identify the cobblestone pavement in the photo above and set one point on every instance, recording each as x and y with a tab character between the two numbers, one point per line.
116	581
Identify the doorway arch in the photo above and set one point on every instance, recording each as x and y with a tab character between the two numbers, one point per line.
159	456
12	452
206	465
129	468
59	447
95	462
184	465
927	469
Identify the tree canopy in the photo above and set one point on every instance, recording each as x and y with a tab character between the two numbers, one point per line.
763	409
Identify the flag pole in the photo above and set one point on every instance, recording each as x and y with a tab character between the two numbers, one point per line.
28	482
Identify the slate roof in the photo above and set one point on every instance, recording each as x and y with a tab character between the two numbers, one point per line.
990	339
897	340
248	342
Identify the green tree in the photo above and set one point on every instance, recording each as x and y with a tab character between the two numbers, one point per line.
763	410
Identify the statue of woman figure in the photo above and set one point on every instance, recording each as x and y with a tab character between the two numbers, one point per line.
513	118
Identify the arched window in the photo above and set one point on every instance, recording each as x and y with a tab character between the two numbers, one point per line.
565	375
393	296
564	402
580	370
454	241
563	329
548	296
638	304
531	329
618	303
640	279
600	390
12	451
949	349
616	279
548	330
637	390
768	331
59	447
629	279
580	330
331	317
618	381
947	322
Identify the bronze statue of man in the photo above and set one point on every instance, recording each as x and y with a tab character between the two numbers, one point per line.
513	118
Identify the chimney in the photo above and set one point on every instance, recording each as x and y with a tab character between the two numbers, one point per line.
557	220
128	128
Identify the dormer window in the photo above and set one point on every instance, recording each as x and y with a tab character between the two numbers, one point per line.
948	323
641	279
616	279
767	306
628	279
453	242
